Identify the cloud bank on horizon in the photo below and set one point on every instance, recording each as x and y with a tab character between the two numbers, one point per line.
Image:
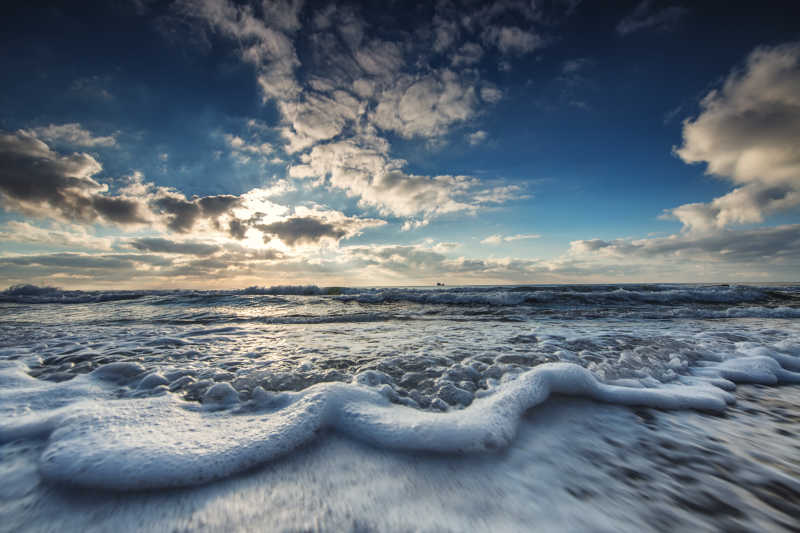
339	143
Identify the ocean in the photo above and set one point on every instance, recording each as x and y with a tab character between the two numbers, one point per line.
654	407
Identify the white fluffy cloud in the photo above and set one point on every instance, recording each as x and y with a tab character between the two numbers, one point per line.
265	40
75	135
55	236
500	194
748	132
512	40
477	137
499	239
427	106
318	117
358	88
243	151
368	173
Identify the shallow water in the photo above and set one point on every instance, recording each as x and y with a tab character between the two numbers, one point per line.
335	400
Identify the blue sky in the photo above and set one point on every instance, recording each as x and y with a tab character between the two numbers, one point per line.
216	143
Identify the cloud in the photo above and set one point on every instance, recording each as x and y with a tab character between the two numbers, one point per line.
411	224
573	66
477	137
318	117
427	106
500	194
380	58
264	40
379	181
512	40
84	261
499	239
748	204
646	15
748	132
284	14
214	206
38	181
311	226
179	213
73	236
74	134
762	245
491	94
243	152
726	255
446	33
467	54
92	87
167	246
357	88
302	230
429	262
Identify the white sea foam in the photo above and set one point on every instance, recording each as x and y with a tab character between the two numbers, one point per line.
447	373
162	441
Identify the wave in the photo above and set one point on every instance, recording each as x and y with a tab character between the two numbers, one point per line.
610	295
153	442
587	295
223	318
32	294
739	312
293	290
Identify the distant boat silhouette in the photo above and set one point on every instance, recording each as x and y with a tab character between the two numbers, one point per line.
439	284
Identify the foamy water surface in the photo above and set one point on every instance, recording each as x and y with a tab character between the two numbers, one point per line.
386	395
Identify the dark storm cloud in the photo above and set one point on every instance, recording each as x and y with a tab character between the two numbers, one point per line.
119	210
167	246
180	214
36	180
303	230
214	206
237	229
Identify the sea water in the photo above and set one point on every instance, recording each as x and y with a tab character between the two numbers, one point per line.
589	408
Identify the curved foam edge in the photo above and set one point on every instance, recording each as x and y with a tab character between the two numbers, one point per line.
159	442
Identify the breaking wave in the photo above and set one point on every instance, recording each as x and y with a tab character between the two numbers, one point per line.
466	296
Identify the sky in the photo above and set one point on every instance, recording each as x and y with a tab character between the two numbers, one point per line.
222	144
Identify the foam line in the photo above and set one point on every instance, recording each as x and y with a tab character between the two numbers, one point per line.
135	444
